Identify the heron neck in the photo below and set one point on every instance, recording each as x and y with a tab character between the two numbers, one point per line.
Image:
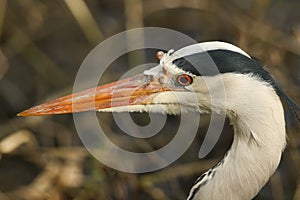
259	139
255	152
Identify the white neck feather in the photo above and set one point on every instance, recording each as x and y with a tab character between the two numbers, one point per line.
256	113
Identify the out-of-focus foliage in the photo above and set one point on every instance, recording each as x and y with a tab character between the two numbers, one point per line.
42	44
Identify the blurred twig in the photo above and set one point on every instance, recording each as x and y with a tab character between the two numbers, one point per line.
86	21
3	59
17	139
134	19
183	170
2	14
258	29
21	43
233	16
134	14
149	182
3	64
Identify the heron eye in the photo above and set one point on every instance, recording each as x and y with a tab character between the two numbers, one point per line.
184	79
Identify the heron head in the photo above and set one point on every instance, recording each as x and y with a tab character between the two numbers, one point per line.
164	88
199	77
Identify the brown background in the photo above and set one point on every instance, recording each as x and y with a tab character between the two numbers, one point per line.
42	46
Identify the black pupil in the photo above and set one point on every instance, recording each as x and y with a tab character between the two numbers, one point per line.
183	80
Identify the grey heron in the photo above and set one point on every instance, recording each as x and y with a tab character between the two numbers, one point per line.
252	105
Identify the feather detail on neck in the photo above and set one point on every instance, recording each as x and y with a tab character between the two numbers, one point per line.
259	139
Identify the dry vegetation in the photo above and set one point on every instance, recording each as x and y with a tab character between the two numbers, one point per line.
42	46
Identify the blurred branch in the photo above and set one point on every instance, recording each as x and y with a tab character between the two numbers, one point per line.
2	14
17	139
86	21
153	6
134	14
62	169
258	29
182	170
148	182
3	63
3	59
233	16
156	193
44	66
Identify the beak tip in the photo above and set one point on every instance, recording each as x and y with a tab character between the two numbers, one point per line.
21	114
34	111
27	113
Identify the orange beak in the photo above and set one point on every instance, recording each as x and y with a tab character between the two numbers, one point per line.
137	90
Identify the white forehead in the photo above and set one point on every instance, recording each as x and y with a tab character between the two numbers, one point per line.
200	48
209	46
216	45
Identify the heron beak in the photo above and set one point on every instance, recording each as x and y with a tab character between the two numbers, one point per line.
137	90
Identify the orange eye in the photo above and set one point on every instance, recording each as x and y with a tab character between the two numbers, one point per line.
184	80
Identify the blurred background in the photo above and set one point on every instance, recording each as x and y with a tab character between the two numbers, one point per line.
42	45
